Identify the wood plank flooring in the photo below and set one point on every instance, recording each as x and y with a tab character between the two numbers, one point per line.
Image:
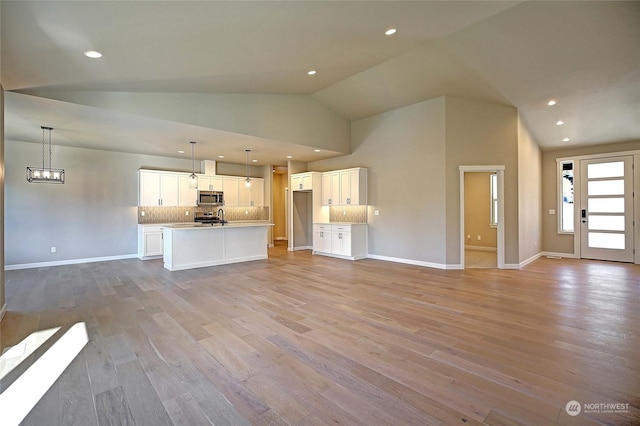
310	340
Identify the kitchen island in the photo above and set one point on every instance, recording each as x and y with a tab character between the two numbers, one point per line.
190	245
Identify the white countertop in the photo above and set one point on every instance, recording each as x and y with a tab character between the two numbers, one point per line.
234	224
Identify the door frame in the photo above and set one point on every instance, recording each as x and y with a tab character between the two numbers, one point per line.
499	170
580	193
636	185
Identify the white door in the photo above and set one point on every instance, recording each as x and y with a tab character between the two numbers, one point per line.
606	208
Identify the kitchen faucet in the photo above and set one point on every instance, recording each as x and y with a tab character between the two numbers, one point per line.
222	221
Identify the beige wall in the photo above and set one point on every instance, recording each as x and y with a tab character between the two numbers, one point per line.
279	212
478	133
551	240
530	190
477	211
404	152
297	119
2	283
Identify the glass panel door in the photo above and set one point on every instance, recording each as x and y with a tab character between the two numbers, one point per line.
606	213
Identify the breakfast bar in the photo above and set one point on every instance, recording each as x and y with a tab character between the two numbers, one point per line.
191	245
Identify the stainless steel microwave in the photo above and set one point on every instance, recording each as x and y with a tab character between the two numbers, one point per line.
210	198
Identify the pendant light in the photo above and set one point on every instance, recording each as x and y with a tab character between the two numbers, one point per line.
247	181
193	179
45	174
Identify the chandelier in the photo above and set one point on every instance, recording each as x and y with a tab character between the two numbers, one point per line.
46	173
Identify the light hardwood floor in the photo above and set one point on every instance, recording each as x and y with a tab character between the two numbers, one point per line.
310	340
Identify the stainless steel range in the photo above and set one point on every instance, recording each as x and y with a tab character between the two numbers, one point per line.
208	218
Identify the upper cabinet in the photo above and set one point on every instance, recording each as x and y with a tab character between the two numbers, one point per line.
210	183
231	190
302	181
344	187
158	188
252	196
330	188
168	189
186	196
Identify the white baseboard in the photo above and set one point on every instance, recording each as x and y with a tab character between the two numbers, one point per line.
68	262
559	255
300	248
413	262
481	248
3	310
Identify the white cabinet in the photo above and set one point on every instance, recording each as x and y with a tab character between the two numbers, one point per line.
230	187
150	241
322	238
302	181
344	187
330	188
341	240
210	183
186	196
346	241
252	196
158	188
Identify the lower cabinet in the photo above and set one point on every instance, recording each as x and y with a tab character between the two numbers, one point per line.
150	243
346	241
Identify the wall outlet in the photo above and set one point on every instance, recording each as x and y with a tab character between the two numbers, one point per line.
53	249
552	211
142	213
376	212
186	213
344	212
246	212
479	237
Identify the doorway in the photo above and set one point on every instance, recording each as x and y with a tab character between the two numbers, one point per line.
606	209
496	205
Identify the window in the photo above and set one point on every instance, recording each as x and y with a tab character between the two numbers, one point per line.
565	203
493	188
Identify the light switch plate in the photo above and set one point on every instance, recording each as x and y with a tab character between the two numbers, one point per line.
552	211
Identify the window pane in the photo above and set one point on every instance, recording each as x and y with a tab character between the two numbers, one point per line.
606	241
606	223
606	187
566	208
606	205
567	217
605	170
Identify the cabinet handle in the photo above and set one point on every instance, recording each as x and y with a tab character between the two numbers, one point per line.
159	201
300	186
340	236
329	201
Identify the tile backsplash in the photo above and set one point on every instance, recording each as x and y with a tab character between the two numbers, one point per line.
161	214
351	214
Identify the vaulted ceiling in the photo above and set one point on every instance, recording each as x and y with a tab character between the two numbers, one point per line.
585	55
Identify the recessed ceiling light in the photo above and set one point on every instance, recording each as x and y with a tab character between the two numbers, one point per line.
288	156
390	31
559	123
93	54
220	156
566	140
552	102
316	150
181	152
311	72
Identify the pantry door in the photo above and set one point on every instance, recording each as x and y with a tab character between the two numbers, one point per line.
606	210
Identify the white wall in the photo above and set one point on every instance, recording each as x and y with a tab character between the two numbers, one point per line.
404	151
94	214
480	133
530	190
